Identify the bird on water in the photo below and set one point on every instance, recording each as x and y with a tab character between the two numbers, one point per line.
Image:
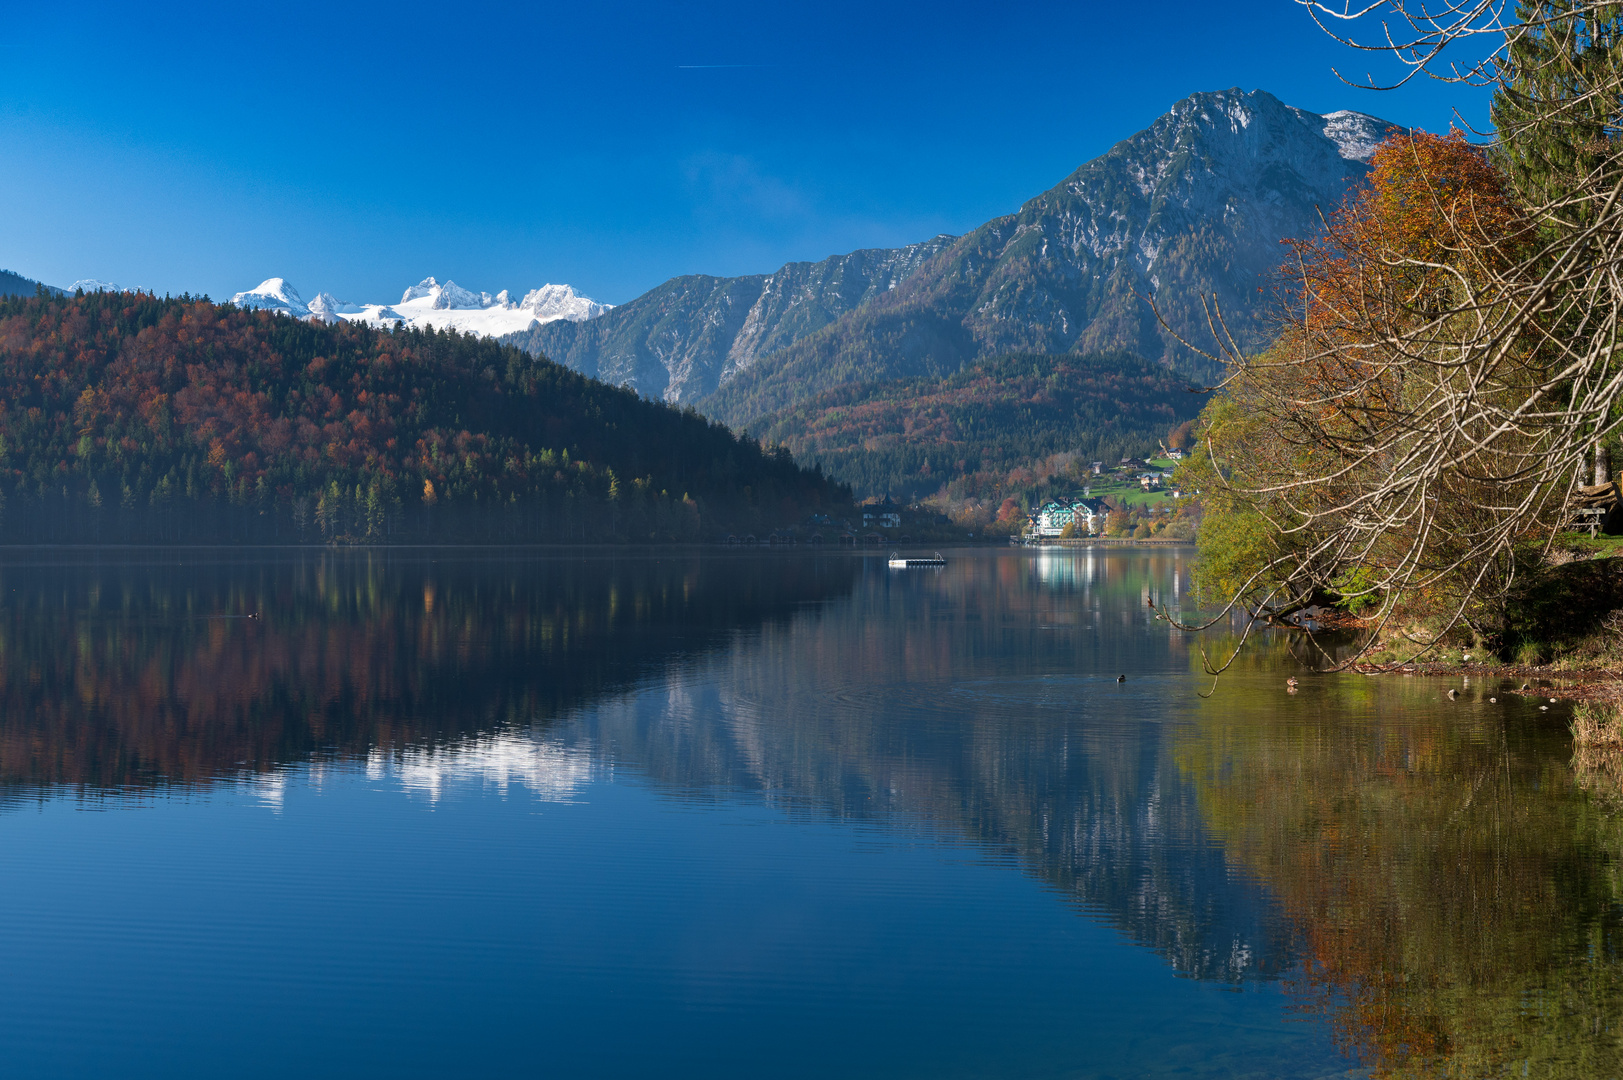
1121	678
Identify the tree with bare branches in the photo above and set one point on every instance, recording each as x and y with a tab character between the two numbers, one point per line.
1421	429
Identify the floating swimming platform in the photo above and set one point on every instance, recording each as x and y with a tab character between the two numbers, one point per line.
898	562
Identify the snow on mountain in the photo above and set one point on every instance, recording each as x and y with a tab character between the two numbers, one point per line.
430	303
328	308
91	285
1355	134
274	294
551	302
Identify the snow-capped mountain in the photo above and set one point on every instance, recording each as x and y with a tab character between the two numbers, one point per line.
274	294
90	285
430	303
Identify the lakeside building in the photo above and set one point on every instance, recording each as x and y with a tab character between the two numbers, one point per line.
881	512
1090	515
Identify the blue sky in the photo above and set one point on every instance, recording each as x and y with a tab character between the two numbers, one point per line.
358	148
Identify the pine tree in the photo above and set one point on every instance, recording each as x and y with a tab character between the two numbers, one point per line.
1556	109
374	513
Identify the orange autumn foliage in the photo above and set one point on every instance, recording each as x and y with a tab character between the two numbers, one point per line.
1435	210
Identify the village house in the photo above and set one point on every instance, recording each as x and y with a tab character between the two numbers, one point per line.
883	513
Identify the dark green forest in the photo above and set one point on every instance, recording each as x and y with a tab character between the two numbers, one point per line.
974	429
129	418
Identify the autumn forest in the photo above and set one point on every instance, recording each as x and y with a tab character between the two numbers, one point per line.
129	418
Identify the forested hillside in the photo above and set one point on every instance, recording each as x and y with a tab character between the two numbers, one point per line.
124	417
970	430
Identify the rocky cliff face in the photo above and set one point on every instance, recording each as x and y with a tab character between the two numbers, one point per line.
685	338
1195	206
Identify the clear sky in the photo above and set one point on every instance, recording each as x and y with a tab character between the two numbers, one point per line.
358	148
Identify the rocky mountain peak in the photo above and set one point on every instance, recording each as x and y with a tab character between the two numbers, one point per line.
1193	207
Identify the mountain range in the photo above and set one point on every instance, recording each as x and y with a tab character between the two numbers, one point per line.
681	340
1123	261
1193	207
431	303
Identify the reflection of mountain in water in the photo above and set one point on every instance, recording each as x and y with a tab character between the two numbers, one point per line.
542	765
115	675
1421	870
981	700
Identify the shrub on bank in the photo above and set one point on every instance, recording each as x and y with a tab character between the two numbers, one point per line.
1597	725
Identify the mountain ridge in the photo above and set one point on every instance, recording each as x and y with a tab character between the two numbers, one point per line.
428	303
681	339
1192	206
183	420
15	284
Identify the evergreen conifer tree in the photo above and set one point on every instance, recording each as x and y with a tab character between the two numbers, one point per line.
1556	110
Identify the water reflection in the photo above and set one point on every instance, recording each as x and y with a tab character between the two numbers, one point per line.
1425	874
1455	890
119	675
983	700
544	767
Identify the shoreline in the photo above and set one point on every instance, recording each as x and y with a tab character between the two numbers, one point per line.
1106	541
1580	684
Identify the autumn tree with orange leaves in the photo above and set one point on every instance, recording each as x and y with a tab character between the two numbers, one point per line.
1369	455
1421	432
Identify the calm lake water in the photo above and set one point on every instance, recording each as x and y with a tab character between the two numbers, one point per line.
763	815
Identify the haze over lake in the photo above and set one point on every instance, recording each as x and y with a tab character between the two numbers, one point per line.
695	813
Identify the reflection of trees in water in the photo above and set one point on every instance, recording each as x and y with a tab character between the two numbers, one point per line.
116	675
1457	895
958	698
1422	872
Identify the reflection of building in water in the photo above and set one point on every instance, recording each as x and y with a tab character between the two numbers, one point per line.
1058	567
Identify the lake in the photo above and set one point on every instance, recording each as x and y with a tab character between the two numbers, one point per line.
710	814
